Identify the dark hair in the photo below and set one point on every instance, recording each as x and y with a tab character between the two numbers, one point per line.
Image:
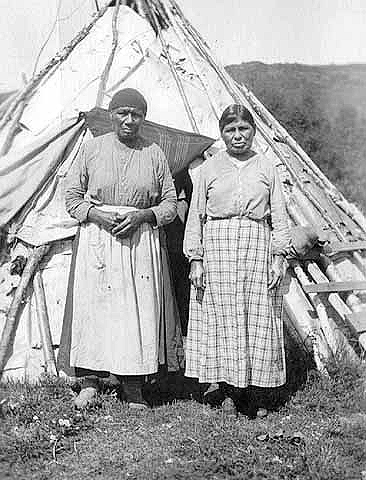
234	111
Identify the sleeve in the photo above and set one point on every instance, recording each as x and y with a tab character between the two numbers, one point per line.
76	188
279	218
166	211
193	236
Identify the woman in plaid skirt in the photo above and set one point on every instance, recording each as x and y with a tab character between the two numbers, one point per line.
235	336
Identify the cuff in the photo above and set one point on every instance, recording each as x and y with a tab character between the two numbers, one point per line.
158	219
161	217
82	210
195	257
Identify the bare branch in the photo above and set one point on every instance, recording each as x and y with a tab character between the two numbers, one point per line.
47	39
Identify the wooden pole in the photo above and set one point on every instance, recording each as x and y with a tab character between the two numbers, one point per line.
107	68
8	333
240	93
200	74
350	209
44	323
337	341
172	69
13	129
299	309
320	310
333	275
22	98
344	309
270	126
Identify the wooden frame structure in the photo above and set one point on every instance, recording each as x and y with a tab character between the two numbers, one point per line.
332	284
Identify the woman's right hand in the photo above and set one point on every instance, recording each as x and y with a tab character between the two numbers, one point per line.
197	274
106	220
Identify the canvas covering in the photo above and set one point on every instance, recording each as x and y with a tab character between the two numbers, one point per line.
32	174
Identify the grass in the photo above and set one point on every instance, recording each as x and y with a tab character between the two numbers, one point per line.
320	433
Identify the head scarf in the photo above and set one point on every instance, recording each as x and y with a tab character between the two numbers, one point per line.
233	112
128	97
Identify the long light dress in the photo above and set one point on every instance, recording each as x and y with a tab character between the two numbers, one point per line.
117	292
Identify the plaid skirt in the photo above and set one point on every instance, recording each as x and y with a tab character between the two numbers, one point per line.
235	332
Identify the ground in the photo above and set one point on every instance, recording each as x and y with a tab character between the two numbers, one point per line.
320	433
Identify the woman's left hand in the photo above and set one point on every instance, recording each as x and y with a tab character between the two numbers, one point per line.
277	272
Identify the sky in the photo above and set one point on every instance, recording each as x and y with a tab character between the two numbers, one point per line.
270	31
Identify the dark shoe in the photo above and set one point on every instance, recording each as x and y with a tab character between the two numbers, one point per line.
132	387
214	395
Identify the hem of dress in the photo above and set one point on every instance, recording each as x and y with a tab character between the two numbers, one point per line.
114	371
234	384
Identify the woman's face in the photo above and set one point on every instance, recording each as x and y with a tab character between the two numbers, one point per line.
127	122
238	136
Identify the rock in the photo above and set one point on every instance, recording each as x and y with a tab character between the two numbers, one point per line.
297	437
278	435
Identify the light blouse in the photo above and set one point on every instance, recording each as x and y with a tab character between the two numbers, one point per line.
228	187
109	172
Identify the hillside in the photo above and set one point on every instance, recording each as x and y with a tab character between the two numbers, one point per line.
324	109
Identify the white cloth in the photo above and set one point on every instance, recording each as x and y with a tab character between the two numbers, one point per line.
117	300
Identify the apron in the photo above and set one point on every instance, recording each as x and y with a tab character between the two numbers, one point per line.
117	300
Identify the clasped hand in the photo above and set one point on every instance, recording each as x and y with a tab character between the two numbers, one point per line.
118	224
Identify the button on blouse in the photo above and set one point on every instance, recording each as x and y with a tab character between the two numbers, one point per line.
228	187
